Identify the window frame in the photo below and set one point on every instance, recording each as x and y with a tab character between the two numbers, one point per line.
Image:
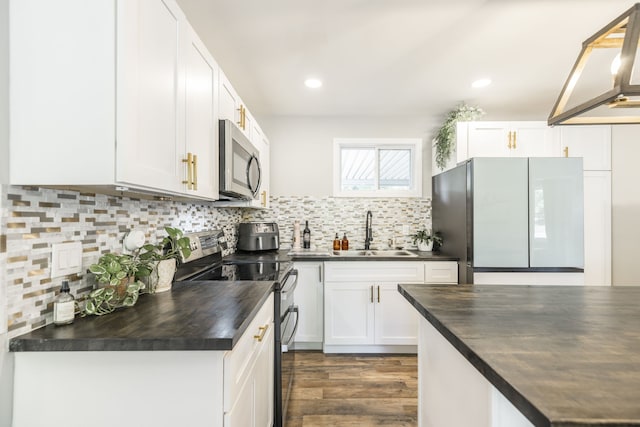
413	144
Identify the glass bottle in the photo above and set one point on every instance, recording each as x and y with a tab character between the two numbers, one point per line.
306	236
64	306
336	243
345	243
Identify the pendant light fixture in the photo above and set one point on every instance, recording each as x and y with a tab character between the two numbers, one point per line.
604	84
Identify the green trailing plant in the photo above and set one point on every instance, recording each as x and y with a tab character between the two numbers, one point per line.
121	276
445	142
426	236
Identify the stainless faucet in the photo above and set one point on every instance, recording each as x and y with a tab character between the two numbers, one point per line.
368	233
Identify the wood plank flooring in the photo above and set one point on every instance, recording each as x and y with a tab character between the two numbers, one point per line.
353	390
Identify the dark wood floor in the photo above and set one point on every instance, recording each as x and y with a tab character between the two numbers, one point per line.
353	390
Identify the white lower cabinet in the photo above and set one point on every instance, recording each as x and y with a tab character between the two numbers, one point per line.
214	388
363	310
248	374
309	297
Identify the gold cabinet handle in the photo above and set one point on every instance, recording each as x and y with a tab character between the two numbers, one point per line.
195	172
378	293
565	151
263	195
371	289
509	145
189	162
514	139
241	120
263	331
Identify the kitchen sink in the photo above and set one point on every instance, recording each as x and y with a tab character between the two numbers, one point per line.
375	253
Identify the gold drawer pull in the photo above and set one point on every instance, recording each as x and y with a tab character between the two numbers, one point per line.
565	151
263	331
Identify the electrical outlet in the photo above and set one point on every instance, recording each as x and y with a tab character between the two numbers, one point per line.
405	230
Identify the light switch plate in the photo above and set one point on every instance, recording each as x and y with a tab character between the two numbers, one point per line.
66	258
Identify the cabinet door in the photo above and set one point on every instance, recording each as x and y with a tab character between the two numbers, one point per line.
396	321
597	228
200	118
348	314
150	94
263	383
500	213
533	139
592	143
489	139
229	101
309	298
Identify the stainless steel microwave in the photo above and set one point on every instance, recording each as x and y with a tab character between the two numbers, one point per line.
240	173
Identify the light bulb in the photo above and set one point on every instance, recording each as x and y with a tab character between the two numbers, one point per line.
615	64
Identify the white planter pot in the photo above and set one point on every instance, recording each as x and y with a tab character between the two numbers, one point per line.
162	278
425	247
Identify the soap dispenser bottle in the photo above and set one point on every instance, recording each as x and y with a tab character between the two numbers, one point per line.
336	243
345	243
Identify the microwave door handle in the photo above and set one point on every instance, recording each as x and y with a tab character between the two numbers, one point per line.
254	190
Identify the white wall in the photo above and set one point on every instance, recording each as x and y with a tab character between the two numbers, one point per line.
625	200
302	148
6	359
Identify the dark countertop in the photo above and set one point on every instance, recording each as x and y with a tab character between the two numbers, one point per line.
563	355
421	256
192	316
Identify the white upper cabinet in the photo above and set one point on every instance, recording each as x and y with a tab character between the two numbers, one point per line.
201	124
150	94
592	143
232	108
128	97
505	139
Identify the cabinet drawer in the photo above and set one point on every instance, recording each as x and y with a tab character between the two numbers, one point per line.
238	363
441	272
380	271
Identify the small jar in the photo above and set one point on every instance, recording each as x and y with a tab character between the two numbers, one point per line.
336	243
345	243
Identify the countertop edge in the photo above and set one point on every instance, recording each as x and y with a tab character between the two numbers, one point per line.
516	398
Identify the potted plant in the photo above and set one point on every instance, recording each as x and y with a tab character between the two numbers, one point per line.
120	274
425	240
166	254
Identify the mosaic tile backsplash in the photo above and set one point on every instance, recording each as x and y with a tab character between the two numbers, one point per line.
330	215
34	218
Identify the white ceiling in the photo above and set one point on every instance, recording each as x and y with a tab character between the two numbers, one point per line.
398	57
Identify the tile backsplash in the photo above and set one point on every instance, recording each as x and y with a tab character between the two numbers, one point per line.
34	218
330	215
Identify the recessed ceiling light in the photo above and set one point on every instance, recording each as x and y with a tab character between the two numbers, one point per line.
481	83
313	83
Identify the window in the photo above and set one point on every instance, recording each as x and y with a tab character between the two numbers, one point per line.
377	167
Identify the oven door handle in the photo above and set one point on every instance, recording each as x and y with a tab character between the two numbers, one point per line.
286	289
290	310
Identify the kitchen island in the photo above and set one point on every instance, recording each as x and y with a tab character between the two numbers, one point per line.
527	355
190	356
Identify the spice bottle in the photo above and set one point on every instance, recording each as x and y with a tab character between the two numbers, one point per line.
336	243
345	242
64	306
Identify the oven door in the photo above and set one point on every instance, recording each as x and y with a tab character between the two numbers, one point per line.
240	173
288	317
